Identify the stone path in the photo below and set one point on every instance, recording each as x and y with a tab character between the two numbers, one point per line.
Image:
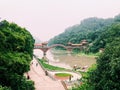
43	82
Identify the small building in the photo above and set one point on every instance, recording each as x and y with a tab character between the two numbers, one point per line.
44	43
69	43
84	42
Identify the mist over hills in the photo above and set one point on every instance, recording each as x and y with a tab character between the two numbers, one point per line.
90	29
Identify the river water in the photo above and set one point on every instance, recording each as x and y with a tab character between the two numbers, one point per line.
63	59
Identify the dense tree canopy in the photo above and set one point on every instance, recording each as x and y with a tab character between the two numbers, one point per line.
16	50
89	29
106	76
100	33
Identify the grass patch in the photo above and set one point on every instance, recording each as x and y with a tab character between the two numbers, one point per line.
63	74
50	67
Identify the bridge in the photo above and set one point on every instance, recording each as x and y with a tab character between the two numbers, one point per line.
44	47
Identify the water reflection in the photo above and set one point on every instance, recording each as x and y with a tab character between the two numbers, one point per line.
62	59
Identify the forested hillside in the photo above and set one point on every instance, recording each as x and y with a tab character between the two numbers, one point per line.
104	37
106	75
91	29
16	52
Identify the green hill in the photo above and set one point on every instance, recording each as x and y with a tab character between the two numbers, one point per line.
91	29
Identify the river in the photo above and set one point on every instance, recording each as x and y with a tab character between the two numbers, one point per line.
62	59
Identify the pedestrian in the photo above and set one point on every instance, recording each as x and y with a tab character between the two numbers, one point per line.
70	78
36	64
75	67
46	73
28	77
31	63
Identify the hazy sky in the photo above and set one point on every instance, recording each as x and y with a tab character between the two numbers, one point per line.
47	18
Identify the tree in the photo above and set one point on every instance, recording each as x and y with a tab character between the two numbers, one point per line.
89	29
16	50
106	75
4	88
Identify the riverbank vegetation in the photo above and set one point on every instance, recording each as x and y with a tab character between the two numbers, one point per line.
102	34
16	53
83	81
106	74
50	67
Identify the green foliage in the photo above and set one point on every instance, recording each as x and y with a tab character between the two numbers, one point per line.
117	18
100	33
18	82
85	80
106	37
4	88
16	50
15	38
89	29
63	74
50	67
84	86
15	62
106	76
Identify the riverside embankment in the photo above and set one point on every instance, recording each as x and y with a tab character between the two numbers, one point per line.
62	59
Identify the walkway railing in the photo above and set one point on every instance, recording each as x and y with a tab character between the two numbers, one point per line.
46	71
65	83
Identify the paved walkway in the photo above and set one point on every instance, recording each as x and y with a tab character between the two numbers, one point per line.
41	81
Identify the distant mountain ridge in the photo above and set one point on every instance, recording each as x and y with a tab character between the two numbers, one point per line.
89	29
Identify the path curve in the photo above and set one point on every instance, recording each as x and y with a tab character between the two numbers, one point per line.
74	78
42	82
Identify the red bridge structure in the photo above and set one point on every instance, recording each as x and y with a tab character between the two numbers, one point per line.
44	47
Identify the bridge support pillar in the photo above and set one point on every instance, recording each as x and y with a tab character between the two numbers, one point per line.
69	51
44	55
44	49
